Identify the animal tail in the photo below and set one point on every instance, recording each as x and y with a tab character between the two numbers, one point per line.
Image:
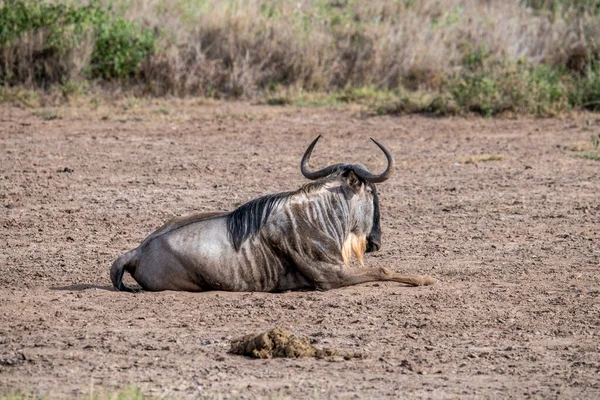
126	262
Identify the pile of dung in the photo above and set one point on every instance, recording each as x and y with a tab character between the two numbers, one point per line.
281	343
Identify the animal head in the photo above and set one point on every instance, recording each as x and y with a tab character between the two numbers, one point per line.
358	185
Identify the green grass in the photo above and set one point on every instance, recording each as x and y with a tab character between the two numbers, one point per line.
594	154
590	155
304	99
19	96
131	393
47	114
515	88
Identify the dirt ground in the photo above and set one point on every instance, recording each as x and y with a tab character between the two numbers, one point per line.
514	242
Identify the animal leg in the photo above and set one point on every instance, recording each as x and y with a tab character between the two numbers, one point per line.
354	276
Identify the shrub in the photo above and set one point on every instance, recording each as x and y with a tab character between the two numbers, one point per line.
43	43
457	56
121	46
585	92
513	87
591	6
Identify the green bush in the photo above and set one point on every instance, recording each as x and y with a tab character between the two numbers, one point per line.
478	92
44	43
121	46
516	87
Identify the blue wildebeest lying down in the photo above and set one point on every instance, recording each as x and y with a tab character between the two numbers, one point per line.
293	240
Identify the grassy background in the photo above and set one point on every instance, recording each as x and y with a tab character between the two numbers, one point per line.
537	57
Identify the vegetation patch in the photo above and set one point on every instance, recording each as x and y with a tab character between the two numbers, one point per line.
589	150
131	393
590	155
47	114
534	57
45	43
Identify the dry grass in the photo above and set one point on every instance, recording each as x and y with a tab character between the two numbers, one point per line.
247	47
24	58
444	57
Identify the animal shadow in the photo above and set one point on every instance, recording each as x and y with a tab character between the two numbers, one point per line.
78	287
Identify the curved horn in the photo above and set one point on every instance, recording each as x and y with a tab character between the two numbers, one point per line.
305	169
366	175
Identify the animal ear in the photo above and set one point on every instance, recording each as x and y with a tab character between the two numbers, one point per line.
353	181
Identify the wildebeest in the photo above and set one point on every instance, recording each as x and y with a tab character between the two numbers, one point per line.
301	239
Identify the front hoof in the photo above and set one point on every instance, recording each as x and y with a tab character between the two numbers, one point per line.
427	280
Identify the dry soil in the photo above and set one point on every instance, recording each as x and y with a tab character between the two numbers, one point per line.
513	235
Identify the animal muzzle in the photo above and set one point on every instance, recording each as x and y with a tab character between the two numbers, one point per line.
372	245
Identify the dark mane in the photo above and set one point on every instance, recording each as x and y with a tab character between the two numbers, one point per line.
248	218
